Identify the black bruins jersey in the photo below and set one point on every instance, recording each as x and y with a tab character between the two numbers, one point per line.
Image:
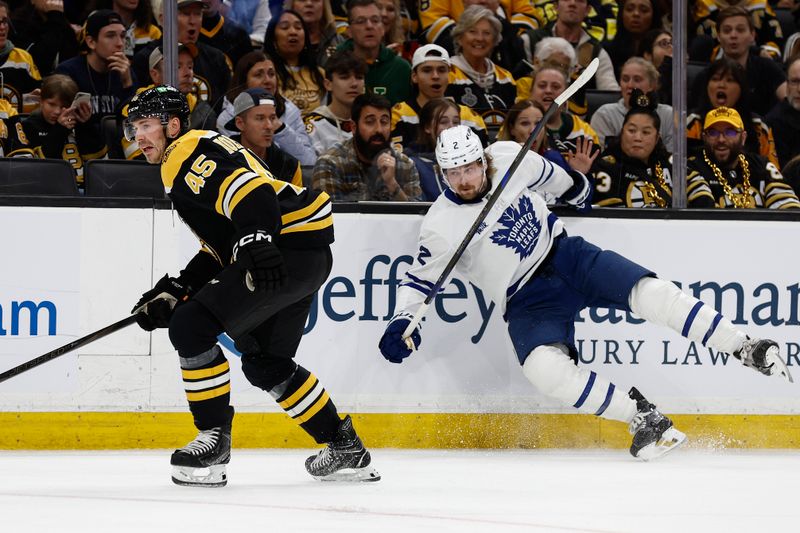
19	76
622	181
210	178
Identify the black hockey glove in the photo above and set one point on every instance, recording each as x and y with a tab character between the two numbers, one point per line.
154	308
260	261
392	345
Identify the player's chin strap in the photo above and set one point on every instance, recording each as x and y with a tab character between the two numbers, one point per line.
585	76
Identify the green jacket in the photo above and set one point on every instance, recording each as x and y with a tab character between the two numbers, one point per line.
389	75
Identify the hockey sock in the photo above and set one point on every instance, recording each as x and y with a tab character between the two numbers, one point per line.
662	302
554	374
304	399
206	379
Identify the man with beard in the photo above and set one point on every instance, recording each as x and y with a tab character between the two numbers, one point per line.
365	167
723	173
784	119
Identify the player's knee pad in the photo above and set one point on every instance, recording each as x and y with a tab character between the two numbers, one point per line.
550	369
193	329
267	372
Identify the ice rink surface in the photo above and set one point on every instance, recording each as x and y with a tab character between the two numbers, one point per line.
269	491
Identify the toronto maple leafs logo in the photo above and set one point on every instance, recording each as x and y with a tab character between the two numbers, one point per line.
519	229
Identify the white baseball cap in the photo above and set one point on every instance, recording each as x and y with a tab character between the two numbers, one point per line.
429	52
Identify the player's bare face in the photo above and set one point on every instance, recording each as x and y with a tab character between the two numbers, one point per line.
468	181
432	78
149	134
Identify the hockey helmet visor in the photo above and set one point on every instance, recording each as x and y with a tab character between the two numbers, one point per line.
162	102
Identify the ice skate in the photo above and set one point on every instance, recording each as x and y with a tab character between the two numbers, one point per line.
653	433
201	463
344	459
763	355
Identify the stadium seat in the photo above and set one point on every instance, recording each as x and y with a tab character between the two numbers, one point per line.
117	177
112	135
596	98
37	177
693	71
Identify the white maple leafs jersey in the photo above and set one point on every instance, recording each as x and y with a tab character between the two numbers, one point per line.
510	244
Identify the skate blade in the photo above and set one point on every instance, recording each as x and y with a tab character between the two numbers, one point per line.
211	476
671	439
348	475
778	365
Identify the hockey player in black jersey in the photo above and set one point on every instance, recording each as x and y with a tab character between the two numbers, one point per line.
264	254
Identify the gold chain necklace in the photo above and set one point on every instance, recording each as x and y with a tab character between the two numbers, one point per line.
743	200
650	189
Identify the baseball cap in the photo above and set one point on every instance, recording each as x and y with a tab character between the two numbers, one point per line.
157	55
724	115
247	100
182	3
99	19
429	52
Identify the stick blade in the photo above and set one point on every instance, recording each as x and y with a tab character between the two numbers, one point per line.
587	74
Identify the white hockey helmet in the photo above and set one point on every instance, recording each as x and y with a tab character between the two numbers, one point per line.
458	146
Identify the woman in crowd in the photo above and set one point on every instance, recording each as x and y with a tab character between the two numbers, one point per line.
637	73
475	81
435	116
393	36
564	130
322	28
256	69
656	48
725	83
634	171
634	19
288	43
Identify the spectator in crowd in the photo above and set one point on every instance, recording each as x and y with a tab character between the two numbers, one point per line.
436	115
600	23
475	81
299	77
726	85
791	172
344	80
731	177
393	36
257	120
635	170
785	117
514	44
522	119
570	17
20	77
41	28
634	20
212	73
321	25
201	115
552	52
637	73
765	77
104	71
253	16
257	69
365	167
61	128
388	74
430	72
656	48
438	17
13	142
224	35
137	16
707	15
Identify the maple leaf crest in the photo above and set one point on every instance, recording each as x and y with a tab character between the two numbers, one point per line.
519	228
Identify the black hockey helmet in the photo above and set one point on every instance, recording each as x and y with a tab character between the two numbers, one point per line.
162	101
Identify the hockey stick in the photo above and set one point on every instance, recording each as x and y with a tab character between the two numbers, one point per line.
585	76
58	352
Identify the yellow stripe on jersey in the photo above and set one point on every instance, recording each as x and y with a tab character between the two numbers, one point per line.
177	153
244	191
223	188
288	218
309	226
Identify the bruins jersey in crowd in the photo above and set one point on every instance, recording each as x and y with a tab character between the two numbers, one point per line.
13	141
759	139
600	23
19	77
405	123
753	182
490	105
137	37
768	30
214	181
621	181
438	17
572	128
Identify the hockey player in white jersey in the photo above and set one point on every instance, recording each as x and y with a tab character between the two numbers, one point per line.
541	278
